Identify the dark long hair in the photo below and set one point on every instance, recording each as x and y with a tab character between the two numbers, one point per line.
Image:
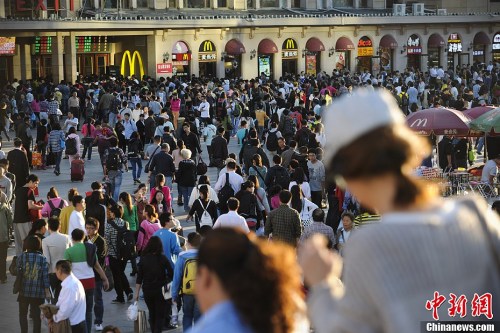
296	202
261	278
153	247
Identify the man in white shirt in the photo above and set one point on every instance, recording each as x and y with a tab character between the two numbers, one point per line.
71	121
76	219
232	219
234	179
490	170
204	109
71	303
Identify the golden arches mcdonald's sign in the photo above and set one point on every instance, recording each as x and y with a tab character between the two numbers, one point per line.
131	63
289	44
207	46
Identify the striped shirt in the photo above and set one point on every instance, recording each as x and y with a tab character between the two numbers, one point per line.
77	255
366	218
53	106
55	138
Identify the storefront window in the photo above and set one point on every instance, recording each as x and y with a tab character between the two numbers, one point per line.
196	3
433	58
413	52
269	3
496	47
365	53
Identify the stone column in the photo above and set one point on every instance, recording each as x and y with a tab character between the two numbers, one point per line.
70	56
57	57
16	63
155	53
26	73
2	8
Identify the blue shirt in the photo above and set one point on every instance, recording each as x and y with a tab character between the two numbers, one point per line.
179	270
222	317
171	246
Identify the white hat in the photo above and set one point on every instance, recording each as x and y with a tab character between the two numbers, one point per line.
353	116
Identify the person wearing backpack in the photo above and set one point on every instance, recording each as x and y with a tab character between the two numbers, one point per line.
115	160
54	204
73	143
183	284
114	225
148	227
272	138
204	210
228	185
248	207
287	125
277	174
304	135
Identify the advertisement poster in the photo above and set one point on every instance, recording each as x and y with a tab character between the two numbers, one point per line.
265	65
311	64
164	68
340	60
7	45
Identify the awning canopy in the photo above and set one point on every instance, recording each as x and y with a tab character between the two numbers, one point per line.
234	47
180	47
315	45
388	42
344	44
481	39
436	40
267	46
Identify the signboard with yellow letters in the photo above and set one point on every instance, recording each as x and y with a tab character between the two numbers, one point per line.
207	52
131	63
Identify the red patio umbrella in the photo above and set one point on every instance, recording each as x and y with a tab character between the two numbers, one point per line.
440	121
477	111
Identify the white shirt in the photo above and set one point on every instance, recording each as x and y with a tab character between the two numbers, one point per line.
231	220
306	190
76	221
204	109
72	304
53	247
70	123
490	169
209	131
234	179
136	114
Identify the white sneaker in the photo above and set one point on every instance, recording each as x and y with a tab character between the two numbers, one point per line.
98	327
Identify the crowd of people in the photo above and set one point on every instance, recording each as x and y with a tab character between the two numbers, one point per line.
286	183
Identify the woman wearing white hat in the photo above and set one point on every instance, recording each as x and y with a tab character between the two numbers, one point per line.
423	245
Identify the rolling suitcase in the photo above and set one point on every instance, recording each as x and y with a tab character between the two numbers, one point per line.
77	170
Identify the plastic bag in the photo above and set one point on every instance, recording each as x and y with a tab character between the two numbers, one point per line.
132	311
260	232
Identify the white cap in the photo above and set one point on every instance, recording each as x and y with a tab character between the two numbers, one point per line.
350	117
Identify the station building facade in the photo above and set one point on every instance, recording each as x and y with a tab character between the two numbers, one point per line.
239	40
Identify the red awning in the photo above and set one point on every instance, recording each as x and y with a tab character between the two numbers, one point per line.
234	47
388	42
436	40
344	44
315	45
267	46
481	39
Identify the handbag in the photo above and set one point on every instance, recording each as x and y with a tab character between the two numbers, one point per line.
305	218
13	266
18	283
35	214
146	167
201	168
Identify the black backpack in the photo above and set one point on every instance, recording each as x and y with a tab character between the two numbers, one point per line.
55	211
281	177
113	160
225	193
272	141
125	242
289	126
304	137
71	148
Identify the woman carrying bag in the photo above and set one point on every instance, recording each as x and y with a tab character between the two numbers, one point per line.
154	273
304	206
204	209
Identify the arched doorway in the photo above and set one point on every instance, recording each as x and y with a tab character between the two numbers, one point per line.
435	46
479	44
454	51
387	46
289	57
312	53
207	59
181	59
266	51
232	58
343	48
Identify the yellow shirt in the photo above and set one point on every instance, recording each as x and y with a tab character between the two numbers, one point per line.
64	218
261	117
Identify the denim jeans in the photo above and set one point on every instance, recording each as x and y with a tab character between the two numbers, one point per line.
89	298
112	119
34	306
480	144
185	192
115	179
136	167
58	160
87	149
191	311
98	303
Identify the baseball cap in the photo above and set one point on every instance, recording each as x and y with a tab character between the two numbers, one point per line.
353	116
